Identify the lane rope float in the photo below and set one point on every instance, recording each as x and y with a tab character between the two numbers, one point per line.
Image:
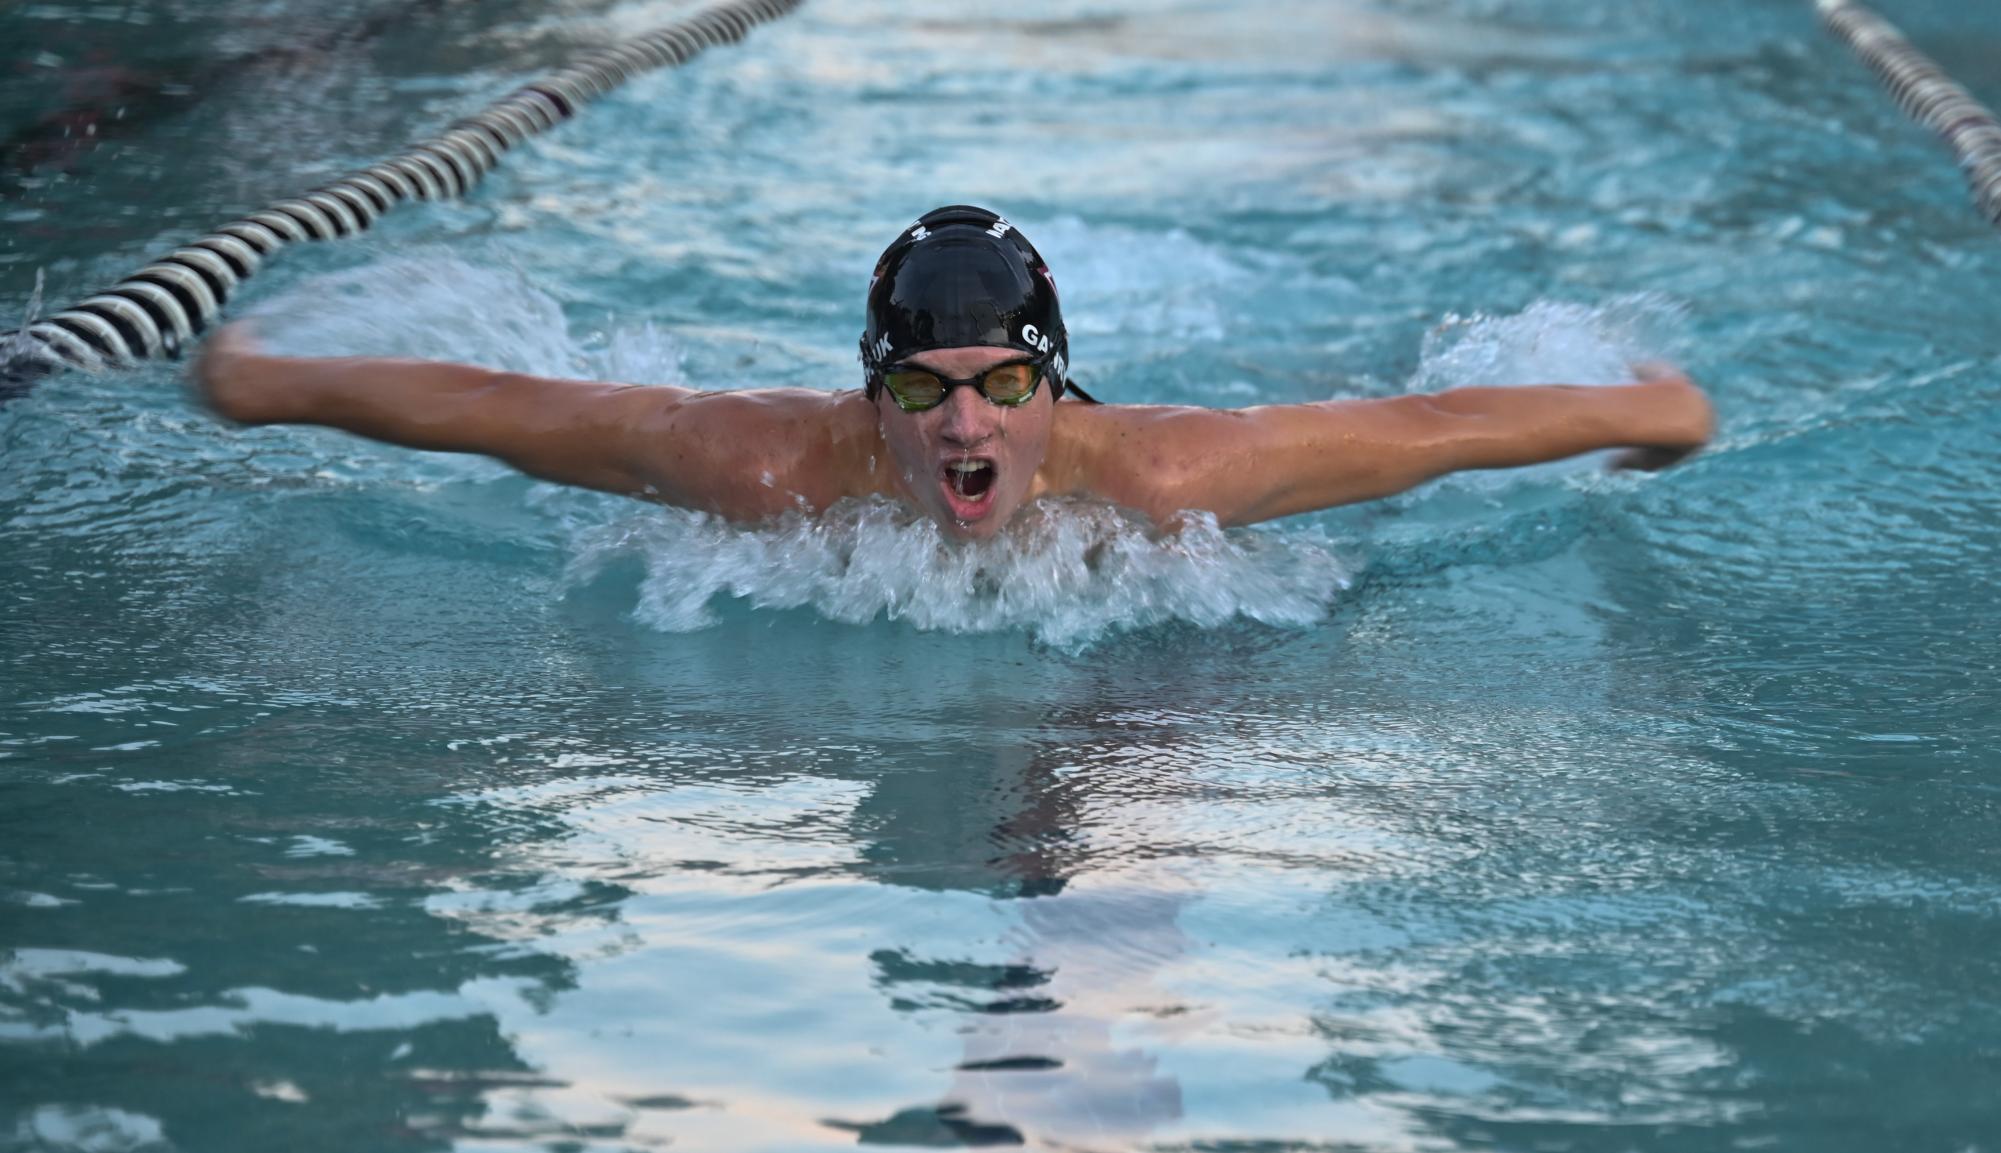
159	309
1927	95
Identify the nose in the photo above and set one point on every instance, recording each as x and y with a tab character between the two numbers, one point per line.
968	419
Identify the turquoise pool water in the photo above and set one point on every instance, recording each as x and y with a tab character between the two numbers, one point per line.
354	799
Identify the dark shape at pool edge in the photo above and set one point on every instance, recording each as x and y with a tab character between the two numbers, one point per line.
942	1126
1011	1065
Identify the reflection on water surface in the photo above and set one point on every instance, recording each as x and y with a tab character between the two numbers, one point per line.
356	799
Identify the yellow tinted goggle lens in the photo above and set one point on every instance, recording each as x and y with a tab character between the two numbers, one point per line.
1009	384
916	390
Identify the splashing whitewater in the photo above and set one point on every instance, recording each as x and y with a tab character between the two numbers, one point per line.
1067	572
23	359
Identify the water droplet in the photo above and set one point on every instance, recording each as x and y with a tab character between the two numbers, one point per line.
1066	571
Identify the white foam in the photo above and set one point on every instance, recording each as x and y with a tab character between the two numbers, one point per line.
35	900
308	846
1067	572
1552	342
88	1129
435	306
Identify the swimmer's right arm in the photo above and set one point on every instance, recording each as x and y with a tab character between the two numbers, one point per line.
649	442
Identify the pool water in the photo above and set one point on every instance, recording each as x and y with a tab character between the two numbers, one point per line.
358	799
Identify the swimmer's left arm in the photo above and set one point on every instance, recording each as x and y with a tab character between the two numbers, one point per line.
1248	465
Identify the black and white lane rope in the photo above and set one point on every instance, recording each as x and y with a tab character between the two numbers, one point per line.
1929	96
157	310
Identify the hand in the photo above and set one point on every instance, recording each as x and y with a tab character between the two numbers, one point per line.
223	372
1680	408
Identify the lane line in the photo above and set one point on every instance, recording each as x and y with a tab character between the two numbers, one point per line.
162	307
1927	95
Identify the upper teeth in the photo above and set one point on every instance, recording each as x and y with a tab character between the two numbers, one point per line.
967	465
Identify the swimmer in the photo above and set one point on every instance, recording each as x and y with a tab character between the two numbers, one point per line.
967	413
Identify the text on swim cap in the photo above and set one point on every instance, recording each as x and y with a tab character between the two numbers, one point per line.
1034	338
998	229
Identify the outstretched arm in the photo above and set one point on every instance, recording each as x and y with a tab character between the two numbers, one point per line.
742	455
1254	464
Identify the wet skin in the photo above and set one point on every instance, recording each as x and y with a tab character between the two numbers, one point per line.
967	428
753	454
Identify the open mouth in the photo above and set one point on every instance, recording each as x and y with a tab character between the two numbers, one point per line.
968	482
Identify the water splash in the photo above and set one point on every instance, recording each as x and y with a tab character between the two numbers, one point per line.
436	306
23	359
1552	342
1067	572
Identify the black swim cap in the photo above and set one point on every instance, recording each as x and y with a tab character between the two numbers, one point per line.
962	276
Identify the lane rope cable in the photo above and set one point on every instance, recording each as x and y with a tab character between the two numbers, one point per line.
159	309
1927	95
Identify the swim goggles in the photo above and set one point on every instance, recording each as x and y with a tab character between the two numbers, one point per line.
1009	384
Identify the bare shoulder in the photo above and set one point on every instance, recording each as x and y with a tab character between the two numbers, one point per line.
1118	425
1094	432
755	453
1136	455
780	420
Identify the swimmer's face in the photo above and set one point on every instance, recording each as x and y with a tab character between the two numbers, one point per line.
969	463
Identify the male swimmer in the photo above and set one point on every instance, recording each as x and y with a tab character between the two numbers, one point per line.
966	413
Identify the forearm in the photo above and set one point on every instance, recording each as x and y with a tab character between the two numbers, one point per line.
1484	428
568	431
417	404
1294	459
